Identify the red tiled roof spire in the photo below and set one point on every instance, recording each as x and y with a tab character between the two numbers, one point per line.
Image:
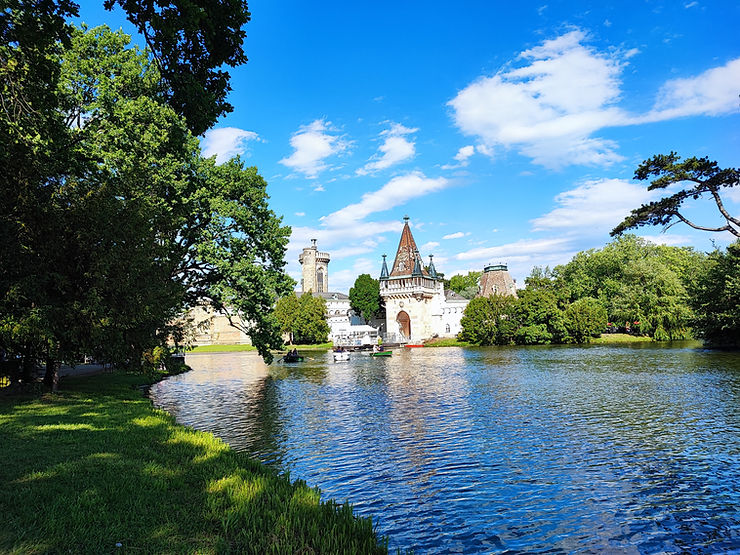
406	254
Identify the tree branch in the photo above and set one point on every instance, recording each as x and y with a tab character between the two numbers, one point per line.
722	209
727	227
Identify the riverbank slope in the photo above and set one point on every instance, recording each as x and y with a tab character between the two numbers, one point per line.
94	468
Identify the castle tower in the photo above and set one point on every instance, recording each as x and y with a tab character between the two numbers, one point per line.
410	294
496	280
315	267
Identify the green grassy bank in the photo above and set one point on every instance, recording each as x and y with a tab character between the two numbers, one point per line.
607	338
95	466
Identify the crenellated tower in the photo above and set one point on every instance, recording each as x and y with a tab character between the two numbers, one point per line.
315	269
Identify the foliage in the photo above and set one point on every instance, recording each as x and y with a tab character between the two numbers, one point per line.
303	319
489	320
113	221
364	297
716	298
466	286
641	285
705	177
286	312
585	319
540	318
96	465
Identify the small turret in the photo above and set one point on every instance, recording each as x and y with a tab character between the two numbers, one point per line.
384	269
432	269
417	265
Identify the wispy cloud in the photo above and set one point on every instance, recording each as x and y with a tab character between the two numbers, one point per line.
711	93
549	108
396	192
395	149
226	142
457	235
462	158
313	144
596	205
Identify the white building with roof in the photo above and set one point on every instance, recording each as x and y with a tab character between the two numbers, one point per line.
417	307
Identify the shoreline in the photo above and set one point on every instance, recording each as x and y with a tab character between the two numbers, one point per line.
95	467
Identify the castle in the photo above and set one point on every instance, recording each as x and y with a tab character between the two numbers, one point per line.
417	307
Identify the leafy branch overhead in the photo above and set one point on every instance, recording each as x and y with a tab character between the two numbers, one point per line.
702	178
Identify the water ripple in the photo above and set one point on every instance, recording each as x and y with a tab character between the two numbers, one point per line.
500	450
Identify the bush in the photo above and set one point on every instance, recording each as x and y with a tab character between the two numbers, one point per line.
584	319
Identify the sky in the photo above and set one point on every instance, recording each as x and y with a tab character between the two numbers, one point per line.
507	132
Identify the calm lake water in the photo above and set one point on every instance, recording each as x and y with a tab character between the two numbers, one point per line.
561	449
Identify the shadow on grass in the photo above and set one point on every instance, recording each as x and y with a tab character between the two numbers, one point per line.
96	466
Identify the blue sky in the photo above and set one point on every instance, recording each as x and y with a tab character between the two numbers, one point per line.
507	133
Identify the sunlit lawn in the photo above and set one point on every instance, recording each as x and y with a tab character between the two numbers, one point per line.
95	466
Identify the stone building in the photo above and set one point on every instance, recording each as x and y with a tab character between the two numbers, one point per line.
315	269
417	307
496	280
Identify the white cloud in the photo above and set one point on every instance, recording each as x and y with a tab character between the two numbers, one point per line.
428	246
596	205
670	240
397	191
226	142
733	194
395	149
711	93
524	248
312	145
456	235
550	108
462	158
300	214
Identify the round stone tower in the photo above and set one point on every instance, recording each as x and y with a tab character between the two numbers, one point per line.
315	266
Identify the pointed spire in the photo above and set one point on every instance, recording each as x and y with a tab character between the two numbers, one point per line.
417	265
406	254
384	269
432	269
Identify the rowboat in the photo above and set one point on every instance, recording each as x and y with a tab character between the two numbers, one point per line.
292	358
413	346
338	357
381	354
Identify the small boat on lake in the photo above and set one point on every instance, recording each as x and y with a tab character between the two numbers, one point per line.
292	358
381	354
413	346
341	356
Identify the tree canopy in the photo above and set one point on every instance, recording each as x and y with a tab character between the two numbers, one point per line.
466	286
364	297
303	318
704	178
112	219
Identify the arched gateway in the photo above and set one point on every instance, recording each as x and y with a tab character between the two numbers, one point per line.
404	324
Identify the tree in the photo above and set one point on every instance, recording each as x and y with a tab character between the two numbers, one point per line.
127	225
310	322
705	177
540	319
286	311
466	286
584	319
716	298
364	297
490	320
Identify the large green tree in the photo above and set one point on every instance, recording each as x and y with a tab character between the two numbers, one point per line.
364	297
302	318
716	298
490	320
127	225
700	178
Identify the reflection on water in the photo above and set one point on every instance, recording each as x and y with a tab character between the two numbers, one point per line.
635	449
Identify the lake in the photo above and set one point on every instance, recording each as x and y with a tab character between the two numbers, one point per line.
632	448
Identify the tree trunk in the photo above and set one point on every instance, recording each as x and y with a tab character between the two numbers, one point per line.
27	366
51	378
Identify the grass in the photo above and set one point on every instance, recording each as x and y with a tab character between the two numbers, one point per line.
222	348
95	466
446	342
619	338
